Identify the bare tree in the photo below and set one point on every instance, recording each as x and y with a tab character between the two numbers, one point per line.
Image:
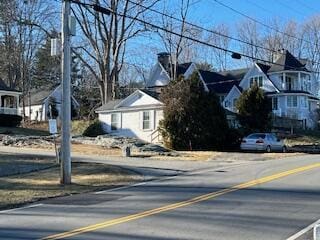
311	45
220	57
249	32
176	44
105	39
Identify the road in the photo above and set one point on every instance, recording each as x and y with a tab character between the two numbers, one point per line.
253	200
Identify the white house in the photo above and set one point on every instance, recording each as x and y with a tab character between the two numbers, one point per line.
289	83
9	99
38	101
138	116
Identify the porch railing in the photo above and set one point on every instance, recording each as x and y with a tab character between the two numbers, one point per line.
12	111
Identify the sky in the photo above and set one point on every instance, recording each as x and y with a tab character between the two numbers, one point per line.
208	13
211	12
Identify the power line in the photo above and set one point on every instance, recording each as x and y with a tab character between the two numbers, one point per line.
208	30
202	28
261	23
191	24
186	37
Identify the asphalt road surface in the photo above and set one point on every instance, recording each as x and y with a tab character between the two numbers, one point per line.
262	200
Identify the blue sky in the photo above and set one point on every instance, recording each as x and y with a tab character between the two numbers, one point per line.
210	12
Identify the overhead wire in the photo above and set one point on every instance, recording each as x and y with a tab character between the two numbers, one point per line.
186	37
260	22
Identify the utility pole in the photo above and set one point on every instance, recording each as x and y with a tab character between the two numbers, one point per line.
65	173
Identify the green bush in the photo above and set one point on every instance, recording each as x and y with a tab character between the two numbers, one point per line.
8	120
95	129
254	110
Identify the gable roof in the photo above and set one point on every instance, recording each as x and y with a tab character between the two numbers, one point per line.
222	82
37	97
109	105
153	94
117	104
264	68
287	62
182	68
4	87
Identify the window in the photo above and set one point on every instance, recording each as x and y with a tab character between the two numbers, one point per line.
257	136
146	120
256	80
304	102
235	102
292	101
289	83
274	103
115	121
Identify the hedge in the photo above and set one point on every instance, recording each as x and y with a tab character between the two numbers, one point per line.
9	120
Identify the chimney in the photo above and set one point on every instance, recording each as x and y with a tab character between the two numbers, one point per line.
278	54
164	60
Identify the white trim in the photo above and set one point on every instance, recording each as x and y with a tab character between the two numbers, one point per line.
10	92
132	95
131	110
203	82
163	69
288	94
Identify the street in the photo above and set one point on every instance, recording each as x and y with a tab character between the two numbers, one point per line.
271	199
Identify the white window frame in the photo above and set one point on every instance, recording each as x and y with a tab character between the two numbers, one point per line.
258	80
275	102
115	125
304	102
290	103
146	120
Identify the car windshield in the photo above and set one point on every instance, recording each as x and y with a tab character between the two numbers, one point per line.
256	136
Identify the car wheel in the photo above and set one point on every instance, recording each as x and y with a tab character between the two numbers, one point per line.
268	149
284	149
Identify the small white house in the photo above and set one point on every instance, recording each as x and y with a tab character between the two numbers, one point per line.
38	101
137	115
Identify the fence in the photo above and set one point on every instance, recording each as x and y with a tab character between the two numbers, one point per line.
288	123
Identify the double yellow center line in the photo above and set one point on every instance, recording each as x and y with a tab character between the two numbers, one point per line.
169	207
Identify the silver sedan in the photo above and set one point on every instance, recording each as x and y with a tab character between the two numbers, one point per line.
267	142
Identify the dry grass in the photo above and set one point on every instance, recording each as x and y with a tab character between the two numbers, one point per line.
88	149
31	187
302	140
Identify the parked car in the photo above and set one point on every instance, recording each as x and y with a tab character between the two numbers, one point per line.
262	142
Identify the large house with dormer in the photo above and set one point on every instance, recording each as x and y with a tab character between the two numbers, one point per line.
289	83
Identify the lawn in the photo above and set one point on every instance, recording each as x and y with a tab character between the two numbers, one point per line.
20	189
23	131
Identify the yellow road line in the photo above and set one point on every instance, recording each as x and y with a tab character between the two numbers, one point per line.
169	207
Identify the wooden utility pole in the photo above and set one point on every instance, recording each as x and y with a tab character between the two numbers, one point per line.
65	175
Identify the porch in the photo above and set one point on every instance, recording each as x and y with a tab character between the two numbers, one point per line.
9	103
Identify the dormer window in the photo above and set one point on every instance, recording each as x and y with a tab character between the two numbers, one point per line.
256	80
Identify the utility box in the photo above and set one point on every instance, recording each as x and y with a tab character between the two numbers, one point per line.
126	151
55	47
72	25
